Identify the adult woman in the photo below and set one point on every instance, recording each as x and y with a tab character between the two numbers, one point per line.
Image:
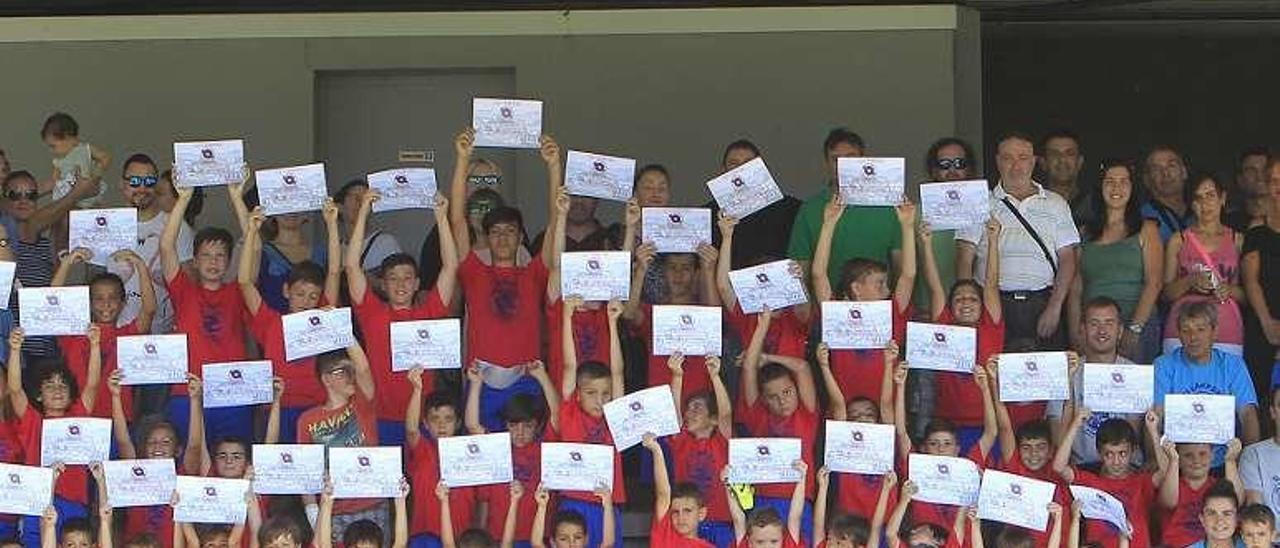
1203	263
286	241
1121	258
653	189
1262	270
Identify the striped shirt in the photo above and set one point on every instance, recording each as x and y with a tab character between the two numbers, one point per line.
1023	266
34	269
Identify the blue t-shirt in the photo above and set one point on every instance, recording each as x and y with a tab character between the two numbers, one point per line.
1225	374
1167	219
274	271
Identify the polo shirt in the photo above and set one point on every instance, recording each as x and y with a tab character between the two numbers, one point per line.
862	232
1023	266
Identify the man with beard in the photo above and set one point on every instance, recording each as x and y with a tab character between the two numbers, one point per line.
1165	176
138	186
1061	161
1247	201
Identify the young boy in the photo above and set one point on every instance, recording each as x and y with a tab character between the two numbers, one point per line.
55	397
1257	526
210	312
569	528
680	272
282	532
857	493
782	401
1135	489
106	300
925	533
701	448
590	320
678	513
847	530
442	421
478	538
230	456
363	533
790	333
399	279
1217	518
1181	519
765	526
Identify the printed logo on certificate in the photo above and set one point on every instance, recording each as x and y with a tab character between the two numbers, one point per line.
859	447
945	480
25	490
599	176
234	384
1098	504
208	163
1017	500
404	188
941	347
365	472
506	123
288	469
648	411
955	205
7	271
676	229
152	359
774	285
763	460
1118	388
483	459
1034	376
1199	418
857	325
54	310
577	466
431	344
316	331
872	181
139	482
75	441
745	189
292	189
689	330
595	275
102	231
210	500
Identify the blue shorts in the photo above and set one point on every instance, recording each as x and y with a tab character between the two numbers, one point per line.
492	401
783	507
427	540
392	433
719	533
219	423
66	510
289	423
593	513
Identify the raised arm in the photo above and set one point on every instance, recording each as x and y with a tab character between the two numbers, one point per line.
631	219
169	258
900	411
643	257
446	519
661	480
1055	526
13	374
835	397
932	278
334	265
724	406
1073	532
53	212
1170	478
119	426
890	479
447	280
93	373
196	455
1004	424
569	371
537	533
751	361
1062	455
906	212
555	236
991	289
708	267
675	363
146	288
357	281
250	256
49	527
728	298
736	514
235	195
60	275
1231	468
364	377
820	507
822	251
795	514
513	509
471	411
608	538
272	434
413	410
463	144
550	152
616	363
909	490
324	519
887	400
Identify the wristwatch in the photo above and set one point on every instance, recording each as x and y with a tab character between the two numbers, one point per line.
1134	327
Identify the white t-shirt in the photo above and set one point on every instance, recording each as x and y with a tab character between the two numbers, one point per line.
1084	450
1260	471
78	162
149	249
378	245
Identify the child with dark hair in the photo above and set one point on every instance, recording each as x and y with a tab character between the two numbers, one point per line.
1218	518
790	333
53	394
590	320
701	448
1181	520
1257	526
478	538
765	527
106	301
927	533
845	530
678	512
282	531
73	160
442	420
569	528
363	533
857	493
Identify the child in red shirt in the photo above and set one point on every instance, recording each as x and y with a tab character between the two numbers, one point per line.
790	333
848	530
701	448
927	534
209	312
678	513
570	528
765	526
1180	523
106	300
442	421
590	321
477	537
363	533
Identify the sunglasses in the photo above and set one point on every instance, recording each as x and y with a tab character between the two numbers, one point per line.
15	196
486	180
148	181
951	163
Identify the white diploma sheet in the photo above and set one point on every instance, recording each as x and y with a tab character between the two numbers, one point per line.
852	325
954	205
945	480
771	284
651	411
316	331
689	330
404	188
292	189
676	229
941	347
872	181
859	447
140	482
54	310
595	275
599	176
365	472
506	123
288	469
745	189
432	344
234	384
763	460
152	359
102	231
1034	376
483	459
576	466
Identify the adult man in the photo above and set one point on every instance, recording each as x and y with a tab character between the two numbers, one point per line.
1037	249
866	232
1101	324
582	231
1260	465
1165	176
764	233
138	186
378	244
1060	160
1247	201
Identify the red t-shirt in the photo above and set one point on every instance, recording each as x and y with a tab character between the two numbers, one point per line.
1137	494
959	399
156	520
787	335
212	319
352	425
503	304
1181	525
302	386
802	424
73	484
590	336
1061	494
11	441
375	317
857	494
424	473
942	515
696	378
860	373
699	461
576	426
663	533
526	467
75	350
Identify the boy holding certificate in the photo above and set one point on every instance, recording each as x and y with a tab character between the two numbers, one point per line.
764	527
374	315
363	533
848	530
106	300
55	393
678	513
441	421
569	528
209	311
701	448
590	321
1180	521
477	538
307	287
790	333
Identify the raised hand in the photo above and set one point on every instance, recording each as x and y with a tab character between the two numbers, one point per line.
713	365
414	376
906	212
464	143
633	214
675	362
615	310
549	149
834	208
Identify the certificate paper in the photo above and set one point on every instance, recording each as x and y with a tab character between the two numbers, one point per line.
857	324
140	482
689	330
1034	376
859	447
483	459
956	204
152	359
745	189
7	270
676	229
872	181
54	310
651	411
1098	504
599	176
210	500
292	189
75	441
236	383
770	284
208	163
405	188
1199	418
432	344
941	347
103	231
316	331
595	275
577	466
506	123
25	490
1014	499
282	469
1118	388
945	480
365	472
763	460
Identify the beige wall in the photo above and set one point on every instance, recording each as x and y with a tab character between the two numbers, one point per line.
634	83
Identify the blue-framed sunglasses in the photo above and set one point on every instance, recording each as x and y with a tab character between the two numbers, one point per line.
148	181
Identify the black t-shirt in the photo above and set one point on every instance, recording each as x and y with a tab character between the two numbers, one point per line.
764	233
1267	243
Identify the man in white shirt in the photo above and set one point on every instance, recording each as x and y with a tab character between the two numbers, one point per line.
1036	266
138	186
1260	464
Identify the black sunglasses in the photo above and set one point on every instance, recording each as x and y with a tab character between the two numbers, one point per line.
15	196
951	163
136	181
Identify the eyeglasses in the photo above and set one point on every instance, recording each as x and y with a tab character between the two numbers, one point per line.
951	163
343	371
148	181
15	196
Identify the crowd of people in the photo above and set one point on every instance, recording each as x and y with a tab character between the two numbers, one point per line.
1139	261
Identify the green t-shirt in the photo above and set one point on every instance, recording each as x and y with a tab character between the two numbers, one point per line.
863	231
